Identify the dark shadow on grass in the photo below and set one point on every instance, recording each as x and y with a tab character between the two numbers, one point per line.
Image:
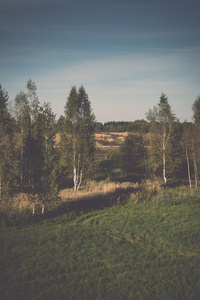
88	203
130	178
85	204
174	182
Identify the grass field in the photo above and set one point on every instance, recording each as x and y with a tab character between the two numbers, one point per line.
139	250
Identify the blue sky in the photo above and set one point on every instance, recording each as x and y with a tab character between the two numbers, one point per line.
125	53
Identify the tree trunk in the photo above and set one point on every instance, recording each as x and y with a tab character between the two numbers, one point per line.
188	165
194	163
80	179
195	171
43	209
22	139
164	166
0	188
77	172
77	178
21	175
33	208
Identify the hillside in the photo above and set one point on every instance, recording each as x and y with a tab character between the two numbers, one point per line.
140	250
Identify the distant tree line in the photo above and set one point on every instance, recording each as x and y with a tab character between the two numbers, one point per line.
136	126
33	161
114	126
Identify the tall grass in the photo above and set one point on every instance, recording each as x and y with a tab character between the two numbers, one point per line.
94	194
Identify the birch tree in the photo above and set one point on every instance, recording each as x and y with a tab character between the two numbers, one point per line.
34	137
79	134
187	148
162	121
196	137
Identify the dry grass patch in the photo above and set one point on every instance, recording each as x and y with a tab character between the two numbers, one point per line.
22	201
93	189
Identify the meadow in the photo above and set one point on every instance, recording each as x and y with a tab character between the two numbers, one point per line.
138	241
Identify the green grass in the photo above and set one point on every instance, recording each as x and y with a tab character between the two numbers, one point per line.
133	251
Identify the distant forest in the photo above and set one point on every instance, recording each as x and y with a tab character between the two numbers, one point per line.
115	126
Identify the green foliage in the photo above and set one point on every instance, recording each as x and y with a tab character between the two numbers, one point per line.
141	251
36	148
162	121
106	169
135	126
196	110
78	136
49	164
132	154
196	138
7	162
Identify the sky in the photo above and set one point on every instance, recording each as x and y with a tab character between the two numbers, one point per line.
125	53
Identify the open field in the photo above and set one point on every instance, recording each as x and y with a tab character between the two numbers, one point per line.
105	142
144	248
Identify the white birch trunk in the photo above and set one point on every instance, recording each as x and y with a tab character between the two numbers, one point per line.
164	168
195	164
21	175
164	162
195	172
22	138
75	178
43	209
33	209
80	179
0	188
77	172
188	165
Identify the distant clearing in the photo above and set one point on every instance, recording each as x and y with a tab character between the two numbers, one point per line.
105	142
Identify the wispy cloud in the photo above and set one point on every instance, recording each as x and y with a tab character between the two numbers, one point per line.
127	87
124	54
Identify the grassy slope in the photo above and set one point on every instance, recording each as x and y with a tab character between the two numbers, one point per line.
135	251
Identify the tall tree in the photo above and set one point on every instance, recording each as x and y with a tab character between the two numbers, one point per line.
79	134
196	110
162	121
22	113
196	137
7	162
49	163
36	125
186	142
